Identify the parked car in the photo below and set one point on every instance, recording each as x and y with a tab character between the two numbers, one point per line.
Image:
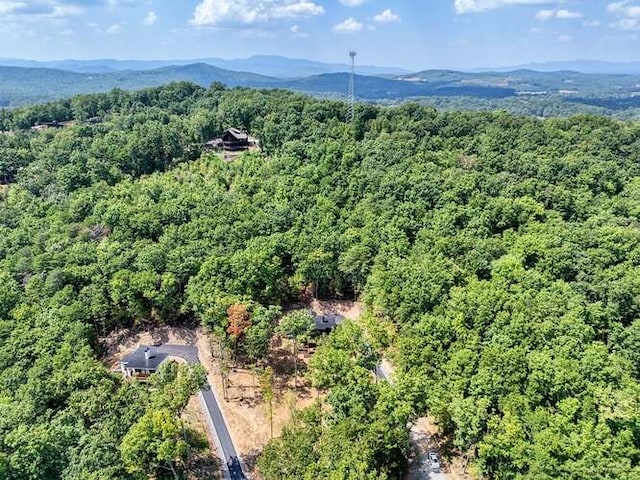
434	462
235	469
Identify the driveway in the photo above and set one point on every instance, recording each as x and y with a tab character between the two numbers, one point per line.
216	422
420	440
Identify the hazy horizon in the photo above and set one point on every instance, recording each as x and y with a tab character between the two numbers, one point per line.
343	62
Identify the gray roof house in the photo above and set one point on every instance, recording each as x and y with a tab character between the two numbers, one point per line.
142	362
326	323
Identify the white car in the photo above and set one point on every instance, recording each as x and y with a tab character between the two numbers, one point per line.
433	461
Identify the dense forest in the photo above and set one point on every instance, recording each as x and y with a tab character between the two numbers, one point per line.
498	257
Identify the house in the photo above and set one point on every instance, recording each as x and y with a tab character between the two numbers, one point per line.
326	323
233	139
46	125
142	362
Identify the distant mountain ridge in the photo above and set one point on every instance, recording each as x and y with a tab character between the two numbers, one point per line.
532	82
267	65
288	68
521	90
28	85
581	66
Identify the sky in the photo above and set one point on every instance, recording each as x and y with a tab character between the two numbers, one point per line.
414	34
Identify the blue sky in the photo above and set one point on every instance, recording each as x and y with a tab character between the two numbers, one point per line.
411	33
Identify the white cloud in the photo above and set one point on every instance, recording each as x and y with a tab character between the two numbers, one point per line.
297	31
628	14
475	6
545	14
567	14
349	25
591	23
209	13
62	11
10	7
352	3
150	19
14	10
624	9
626	24
565	38
114	29
387	17
558	14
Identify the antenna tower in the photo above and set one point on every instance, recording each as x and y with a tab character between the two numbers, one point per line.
352	81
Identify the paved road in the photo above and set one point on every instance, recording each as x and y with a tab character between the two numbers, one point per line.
214	416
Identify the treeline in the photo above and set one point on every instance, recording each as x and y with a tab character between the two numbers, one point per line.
504	250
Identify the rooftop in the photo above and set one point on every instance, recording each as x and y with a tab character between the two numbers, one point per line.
240	135
138	359
328	322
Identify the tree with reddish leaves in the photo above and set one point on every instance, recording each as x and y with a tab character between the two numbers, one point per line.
239	321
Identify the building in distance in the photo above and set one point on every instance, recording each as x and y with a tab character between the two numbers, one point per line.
232	140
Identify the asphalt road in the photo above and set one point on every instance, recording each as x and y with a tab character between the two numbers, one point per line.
189	353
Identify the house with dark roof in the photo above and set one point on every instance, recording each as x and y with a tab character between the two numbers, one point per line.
142	362
234	139
326	323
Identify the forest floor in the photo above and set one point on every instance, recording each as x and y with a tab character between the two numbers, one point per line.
350	310
230	156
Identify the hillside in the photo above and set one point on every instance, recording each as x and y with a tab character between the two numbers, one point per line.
377	88
29	85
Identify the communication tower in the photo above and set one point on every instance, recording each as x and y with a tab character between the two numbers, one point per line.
352	81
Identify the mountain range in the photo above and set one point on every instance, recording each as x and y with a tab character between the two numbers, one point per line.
522	91
22	85
283	67
268	65
582	66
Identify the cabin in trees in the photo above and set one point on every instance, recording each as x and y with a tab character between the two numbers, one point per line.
326	323
46	125
142	362
232	140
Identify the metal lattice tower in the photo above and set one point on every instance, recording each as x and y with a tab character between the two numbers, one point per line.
351	115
